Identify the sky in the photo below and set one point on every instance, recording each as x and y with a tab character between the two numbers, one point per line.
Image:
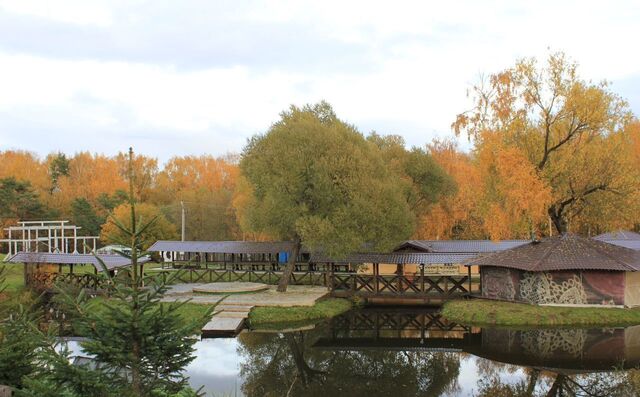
174	78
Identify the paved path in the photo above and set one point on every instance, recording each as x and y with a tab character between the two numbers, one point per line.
232	310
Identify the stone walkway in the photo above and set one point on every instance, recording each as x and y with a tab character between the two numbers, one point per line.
232	310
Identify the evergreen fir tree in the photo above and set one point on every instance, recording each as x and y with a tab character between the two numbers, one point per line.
138	345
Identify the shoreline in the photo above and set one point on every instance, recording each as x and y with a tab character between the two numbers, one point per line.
477	312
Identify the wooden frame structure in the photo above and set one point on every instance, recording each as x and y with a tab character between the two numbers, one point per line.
48	236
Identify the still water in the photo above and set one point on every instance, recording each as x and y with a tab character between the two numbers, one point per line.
399	352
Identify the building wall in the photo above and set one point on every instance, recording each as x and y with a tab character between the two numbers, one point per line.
632	289
561	287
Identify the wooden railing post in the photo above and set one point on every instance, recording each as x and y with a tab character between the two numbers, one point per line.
422	278
376	276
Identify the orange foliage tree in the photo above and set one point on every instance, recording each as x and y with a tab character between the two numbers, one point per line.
571	131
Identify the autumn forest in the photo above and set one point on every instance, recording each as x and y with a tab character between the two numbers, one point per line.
550	152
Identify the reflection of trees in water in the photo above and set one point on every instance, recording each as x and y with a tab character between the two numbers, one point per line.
285	364
543	383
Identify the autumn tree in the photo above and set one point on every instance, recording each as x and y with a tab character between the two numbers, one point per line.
205	186
499	194
316	180
25	166
567	128
160	229
146	171
90	176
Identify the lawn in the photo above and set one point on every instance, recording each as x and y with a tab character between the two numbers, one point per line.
286	317
482	312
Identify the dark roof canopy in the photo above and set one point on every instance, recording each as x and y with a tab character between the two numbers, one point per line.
458	246
110	261
409	258
564	252
223	247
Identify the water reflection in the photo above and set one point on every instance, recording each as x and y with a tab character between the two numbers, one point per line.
399	352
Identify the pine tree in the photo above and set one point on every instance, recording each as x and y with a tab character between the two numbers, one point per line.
139	346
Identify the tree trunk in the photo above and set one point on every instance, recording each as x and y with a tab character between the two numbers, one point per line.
558	219
533	379
556	387
291	263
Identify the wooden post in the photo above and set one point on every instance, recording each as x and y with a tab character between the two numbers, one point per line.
422	278
469	275
376	276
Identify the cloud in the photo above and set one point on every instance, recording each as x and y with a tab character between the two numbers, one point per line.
199	76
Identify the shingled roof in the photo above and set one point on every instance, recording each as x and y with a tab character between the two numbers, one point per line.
110	261
226	247
564	252
458	246
403	258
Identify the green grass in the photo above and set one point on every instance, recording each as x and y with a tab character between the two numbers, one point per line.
188	311
483	312
290	317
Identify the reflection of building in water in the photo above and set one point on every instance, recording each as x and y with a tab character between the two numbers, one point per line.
563	270
575	349
545	342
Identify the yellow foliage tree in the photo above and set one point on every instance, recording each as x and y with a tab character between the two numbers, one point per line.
567	129
161	229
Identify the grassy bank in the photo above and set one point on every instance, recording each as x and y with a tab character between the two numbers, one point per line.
481	312
290	317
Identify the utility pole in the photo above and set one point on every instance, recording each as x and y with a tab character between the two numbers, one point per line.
183	216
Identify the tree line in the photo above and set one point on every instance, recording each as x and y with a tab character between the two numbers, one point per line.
551	152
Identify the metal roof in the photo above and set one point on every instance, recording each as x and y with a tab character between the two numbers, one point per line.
399	258
460	246
631	244
564	252
226	247
110	261
624	235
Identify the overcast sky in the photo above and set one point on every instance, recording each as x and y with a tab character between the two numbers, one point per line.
192	77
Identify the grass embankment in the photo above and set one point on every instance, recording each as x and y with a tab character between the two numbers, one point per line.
482	312
297	316
188	311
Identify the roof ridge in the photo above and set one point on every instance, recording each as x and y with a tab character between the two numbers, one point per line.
547	253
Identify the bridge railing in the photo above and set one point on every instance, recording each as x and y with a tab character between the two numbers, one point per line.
400	285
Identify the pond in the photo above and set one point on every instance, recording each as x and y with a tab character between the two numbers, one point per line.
414	352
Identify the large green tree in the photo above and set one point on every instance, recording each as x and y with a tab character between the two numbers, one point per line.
316	180
84	215
423	180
